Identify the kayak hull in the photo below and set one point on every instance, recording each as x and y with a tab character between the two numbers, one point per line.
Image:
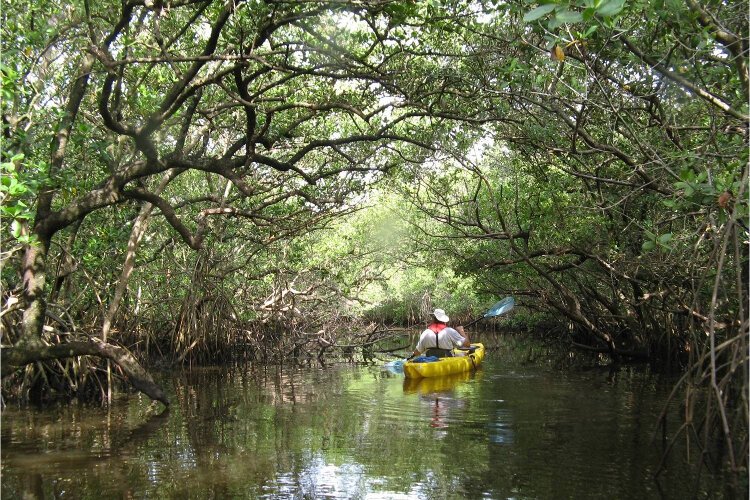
446	366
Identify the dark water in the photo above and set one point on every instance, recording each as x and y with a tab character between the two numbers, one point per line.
358	432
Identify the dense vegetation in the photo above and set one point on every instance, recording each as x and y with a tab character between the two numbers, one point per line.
186	179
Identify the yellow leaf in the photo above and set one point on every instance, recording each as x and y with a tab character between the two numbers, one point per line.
557	53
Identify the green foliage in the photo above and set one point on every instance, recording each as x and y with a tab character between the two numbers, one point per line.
19	182
562	13
653	241
400	153
386	270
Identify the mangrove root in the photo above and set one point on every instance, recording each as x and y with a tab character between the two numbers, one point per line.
14	358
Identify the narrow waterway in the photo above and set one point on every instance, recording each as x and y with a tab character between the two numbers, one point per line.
509	431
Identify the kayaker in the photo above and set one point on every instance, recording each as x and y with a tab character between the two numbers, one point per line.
439	339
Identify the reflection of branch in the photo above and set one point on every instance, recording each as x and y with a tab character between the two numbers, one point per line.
620	352
143	432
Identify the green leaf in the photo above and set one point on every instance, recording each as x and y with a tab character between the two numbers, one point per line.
590	31
609	8
648	246
16	189
568	16
10	210
16	228
540	11
553	23
687	175
664	238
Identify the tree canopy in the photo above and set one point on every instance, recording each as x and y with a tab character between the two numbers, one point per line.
189	176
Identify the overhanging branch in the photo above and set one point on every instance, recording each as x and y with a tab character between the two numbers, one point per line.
14	358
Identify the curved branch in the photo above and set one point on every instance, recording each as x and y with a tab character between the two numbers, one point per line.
14	358
194	241
173	97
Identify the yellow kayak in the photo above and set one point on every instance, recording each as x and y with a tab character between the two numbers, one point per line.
459	363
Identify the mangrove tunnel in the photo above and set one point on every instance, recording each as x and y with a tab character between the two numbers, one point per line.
192	183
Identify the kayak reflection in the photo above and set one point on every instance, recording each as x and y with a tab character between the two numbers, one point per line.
434	385
439	394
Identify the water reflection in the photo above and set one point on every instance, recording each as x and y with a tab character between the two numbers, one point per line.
68	440
353	432
436	385
500	428
439	395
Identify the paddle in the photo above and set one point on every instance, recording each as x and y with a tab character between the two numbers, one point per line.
499	308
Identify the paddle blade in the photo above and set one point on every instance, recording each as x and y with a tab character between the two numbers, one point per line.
395	366
501	307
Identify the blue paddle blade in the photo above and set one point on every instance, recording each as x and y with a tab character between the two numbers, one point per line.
395	366
501	307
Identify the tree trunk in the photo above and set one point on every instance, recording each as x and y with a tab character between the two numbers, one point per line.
30	347
66	266
34	275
